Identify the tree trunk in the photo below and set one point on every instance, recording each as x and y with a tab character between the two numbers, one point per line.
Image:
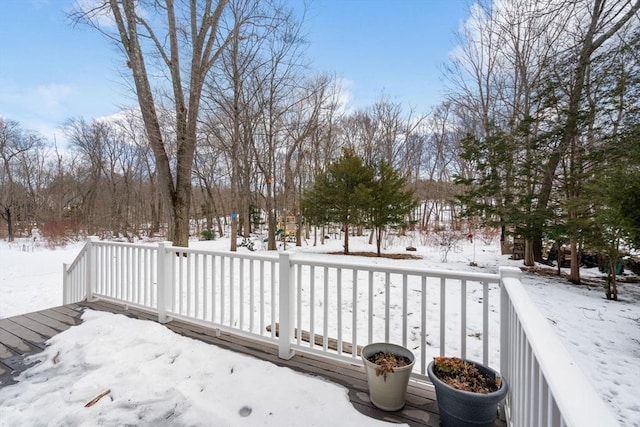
9	223
179	232
220	228
536	242
345	228
503	240
271	218
574	277
528	253
298	228
234	232
611	289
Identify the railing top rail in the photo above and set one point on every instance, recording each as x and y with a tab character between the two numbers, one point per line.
124	244
227	254
307	259
413	271
78	258
575	396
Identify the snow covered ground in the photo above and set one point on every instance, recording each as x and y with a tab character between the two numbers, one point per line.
162	378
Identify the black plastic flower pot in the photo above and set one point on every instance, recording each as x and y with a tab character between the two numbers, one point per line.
459	408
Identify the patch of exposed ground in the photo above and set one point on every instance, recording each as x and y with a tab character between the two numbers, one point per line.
375	255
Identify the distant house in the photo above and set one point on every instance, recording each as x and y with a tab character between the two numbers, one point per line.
287	225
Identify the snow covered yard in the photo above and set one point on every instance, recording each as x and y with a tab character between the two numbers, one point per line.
603	336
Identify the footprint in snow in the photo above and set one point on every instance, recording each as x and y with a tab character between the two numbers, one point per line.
245	411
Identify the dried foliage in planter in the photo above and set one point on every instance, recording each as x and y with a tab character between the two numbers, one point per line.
463	375
386	362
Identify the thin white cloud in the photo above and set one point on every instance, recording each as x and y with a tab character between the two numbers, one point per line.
96	11
344	96
53	95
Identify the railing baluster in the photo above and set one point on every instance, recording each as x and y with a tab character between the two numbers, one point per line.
102	290
533	389
443	292
241	296
312	293
127	273
136	265
339	309
370	322
485	323
128	278
273	299
114	272
354	314
251	295
325	314
136	276
232	269
423	326
105	271
153	274
121	269
463	319
214	292
145	280
262	298
404	310
222	285
188	259
196	283
387	305
180	283
113	290
205	286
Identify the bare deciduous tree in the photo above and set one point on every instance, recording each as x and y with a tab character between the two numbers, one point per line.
15	172
180	41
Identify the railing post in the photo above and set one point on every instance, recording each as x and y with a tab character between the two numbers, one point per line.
65	284
285	307
505	273
91	273
165	280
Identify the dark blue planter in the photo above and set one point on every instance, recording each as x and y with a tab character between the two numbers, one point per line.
460	408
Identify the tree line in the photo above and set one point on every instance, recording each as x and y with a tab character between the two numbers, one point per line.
537	135
550	90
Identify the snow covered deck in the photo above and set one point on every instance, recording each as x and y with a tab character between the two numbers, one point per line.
27	334
232	298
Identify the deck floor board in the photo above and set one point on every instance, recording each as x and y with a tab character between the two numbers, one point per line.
48	321
36	327
13	342
60	317
12	326
26	334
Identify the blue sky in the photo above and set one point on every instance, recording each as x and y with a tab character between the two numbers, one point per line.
51	71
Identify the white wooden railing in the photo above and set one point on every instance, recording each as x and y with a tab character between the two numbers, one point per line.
547	388
339	306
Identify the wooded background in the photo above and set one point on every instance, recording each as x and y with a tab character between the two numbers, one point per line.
538	134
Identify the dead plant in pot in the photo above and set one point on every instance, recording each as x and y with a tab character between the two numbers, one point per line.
386	362
467	392
388	368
